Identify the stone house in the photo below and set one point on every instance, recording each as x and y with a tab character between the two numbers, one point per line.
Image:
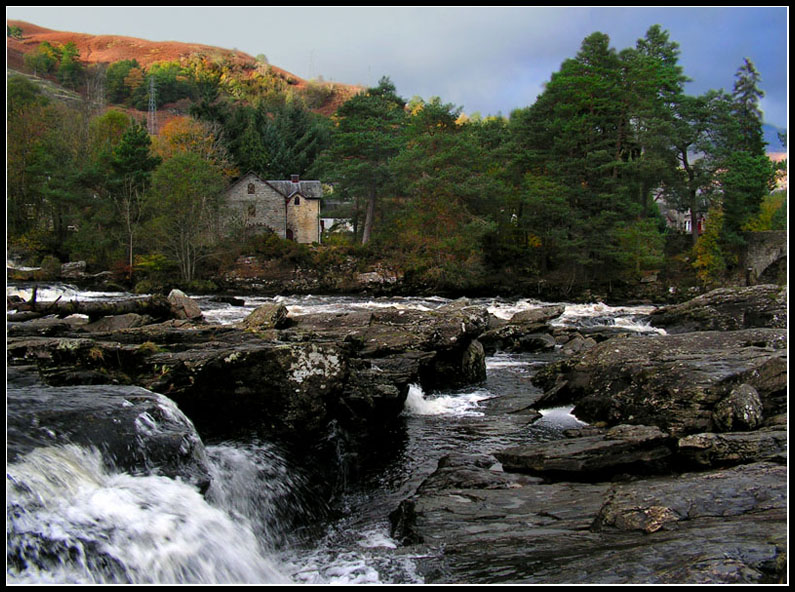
679	221
290	209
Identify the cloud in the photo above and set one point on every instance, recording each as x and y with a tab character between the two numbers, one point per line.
487	59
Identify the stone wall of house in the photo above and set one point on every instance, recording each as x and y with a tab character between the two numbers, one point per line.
264	208
303	218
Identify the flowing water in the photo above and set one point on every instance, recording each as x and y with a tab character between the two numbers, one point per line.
70	519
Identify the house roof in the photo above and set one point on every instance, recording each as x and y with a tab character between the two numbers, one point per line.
307	189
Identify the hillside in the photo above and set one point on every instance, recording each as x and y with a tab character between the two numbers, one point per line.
106	49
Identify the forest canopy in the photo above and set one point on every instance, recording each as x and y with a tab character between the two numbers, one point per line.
573	188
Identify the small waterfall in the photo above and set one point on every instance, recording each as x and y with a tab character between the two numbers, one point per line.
253	484
594	315
71	521
458	404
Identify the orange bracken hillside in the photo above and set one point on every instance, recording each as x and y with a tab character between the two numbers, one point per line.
113	48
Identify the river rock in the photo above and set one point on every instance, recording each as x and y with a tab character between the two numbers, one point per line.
289	388
73	270
622	449
450	332
725	526
726	309
740	410
266	316
468	471
577	344
137	431
354	369
184	306
721	450
119	322
527	330
675	382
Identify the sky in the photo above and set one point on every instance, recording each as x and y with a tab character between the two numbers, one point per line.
487	60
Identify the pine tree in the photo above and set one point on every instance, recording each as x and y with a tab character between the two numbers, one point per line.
132	165
746	110
367	136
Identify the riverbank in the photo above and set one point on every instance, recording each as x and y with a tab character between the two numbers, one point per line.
253	276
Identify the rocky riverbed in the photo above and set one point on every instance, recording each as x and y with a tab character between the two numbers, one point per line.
679	478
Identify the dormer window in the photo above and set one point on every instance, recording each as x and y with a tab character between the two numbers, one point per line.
251	189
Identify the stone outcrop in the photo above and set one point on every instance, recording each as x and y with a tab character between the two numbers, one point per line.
726	309
469	521
680	478
682	383
290	376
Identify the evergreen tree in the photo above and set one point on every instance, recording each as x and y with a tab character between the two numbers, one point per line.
367	136
746	111
747	173
579	135
132	165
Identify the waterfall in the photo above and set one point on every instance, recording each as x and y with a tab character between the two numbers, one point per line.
71	520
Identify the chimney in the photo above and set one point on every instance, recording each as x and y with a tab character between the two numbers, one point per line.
294	178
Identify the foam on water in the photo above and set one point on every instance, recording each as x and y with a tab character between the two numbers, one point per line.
72	521
559	417
601	315
464	404
66	293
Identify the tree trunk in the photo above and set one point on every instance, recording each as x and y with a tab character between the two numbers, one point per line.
691	182
156	306
369	217
693	217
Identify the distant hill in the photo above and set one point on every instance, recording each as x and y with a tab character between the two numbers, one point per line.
113	48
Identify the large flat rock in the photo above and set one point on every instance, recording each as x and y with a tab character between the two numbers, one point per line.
725	526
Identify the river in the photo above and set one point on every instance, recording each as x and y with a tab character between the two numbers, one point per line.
75	522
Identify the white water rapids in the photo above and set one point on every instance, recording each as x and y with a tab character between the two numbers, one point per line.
71	520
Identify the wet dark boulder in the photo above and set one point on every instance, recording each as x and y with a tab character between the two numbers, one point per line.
682	383
527	331
449	335
290	376
286	388
136	431
726	309
623	449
